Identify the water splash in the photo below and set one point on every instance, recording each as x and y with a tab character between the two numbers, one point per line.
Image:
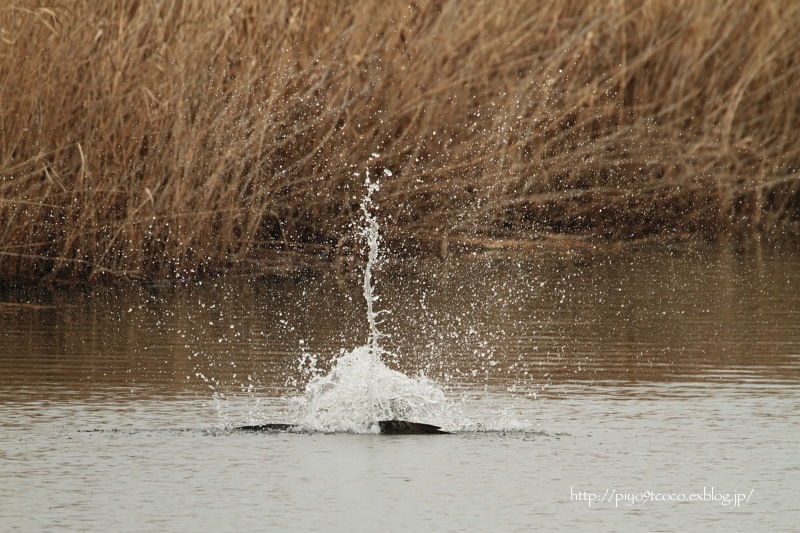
373	237
360	389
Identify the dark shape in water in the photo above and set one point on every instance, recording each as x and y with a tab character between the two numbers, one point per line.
403	427
388	427
267	427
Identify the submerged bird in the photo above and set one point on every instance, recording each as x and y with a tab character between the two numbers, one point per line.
388	427
403	427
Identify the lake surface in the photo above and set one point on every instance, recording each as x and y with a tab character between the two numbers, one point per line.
627	390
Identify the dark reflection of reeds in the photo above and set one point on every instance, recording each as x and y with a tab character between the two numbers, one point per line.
606	318
552	322
148	139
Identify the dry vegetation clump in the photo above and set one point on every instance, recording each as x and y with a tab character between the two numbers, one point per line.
153	139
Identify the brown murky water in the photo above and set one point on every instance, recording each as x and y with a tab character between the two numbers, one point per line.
645	390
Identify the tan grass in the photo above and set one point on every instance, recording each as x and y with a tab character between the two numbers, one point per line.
153	139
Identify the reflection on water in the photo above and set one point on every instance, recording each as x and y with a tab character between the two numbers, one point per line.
705	342
529	327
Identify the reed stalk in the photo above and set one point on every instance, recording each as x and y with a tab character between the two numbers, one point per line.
179	138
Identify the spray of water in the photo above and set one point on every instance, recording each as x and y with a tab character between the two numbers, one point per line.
373	238
360	389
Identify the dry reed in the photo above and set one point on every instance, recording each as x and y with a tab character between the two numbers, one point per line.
153	139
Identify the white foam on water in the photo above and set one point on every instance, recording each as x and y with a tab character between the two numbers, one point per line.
360	390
